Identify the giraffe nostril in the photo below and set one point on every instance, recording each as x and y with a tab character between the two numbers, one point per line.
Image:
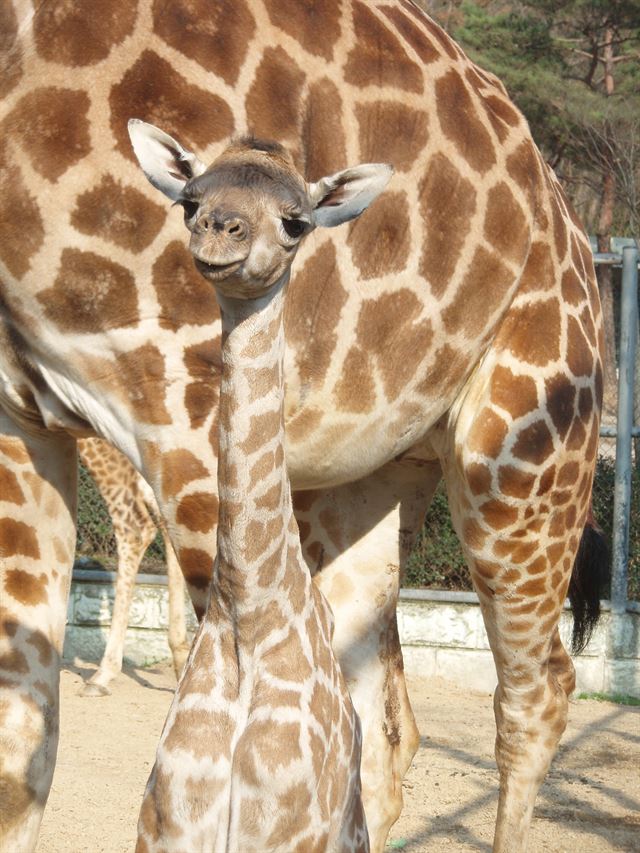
236	228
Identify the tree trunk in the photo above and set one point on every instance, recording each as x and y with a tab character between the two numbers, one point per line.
605	286
605	224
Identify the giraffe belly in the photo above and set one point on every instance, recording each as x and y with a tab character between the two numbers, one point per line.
343	451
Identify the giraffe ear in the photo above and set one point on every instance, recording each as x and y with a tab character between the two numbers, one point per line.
343	196
167	165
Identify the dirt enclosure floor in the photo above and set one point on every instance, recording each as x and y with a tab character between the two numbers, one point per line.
590	801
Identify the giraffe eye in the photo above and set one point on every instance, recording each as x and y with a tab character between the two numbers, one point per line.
294	227
190	208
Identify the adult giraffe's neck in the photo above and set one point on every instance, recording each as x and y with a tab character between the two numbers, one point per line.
255	498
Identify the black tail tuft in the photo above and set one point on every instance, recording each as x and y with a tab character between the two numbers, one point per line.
589	576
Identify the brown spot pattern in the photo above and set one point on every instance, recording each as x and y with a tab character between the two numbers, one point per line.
10	490
539	272
557	217
391	133
380	241
534	443
184	295
216	35
262	429
505	226
413	35
198	512
460	123
487	434
481	292
479	478
515	483
447	369
24	587
355	390
504	110
20	220
143	379
312	311
532	332
197	567
572	290
18	538
13	661
262	468
523	166
315	24
203	363
515	394
90	294
579	353
498	515
51	126
191	731
585	403
273	103
389	328
447	205
14	449
153	91
259	537
294	804
437	32
561	395
119	214
323	130
377	59
73	34
38	640
199	400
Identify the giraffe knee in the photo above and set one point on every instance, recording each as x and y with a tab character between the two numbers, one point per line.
561	666
529	725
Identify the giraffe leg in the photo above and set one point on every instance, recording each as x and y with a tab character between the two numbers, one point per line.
519	500
37	541
178	638
356	538
535	676
134	532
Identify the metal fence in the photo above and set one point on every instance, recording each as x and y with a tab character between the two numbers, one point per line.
625	430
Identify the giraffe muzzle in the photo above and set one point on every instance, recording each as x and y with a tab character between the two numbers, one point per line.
216	271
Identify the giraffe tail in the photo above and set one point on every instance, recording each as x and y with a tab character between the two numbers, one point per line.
588	579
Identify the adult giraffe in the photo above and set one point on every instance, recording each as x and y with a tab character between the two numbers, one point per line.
453	330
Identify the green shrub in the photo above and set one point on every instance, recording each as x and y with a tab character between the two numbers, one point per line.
436	559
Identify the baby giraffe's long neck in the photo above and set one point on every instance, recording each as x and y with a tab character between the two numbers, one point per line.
256	525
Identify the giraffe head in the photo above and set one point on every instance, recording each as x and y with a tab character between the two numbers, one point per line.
249	211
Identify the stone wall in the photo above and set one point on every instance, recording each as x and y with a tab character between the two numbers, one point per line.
442	633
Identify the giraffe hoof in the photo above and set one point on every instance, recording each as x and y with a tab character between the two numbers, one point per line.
89	689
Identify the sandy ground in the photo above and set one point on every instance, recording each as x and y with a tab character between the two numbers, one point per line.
590	802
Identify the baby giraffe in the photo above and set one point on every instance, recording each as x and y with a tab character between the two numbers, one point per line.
261	748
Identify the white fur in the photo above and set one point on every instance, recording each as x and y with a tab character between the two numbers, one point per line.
353	191
167	165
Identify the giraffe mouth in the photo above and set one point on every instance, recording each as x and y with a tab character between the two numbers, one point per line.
217	271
